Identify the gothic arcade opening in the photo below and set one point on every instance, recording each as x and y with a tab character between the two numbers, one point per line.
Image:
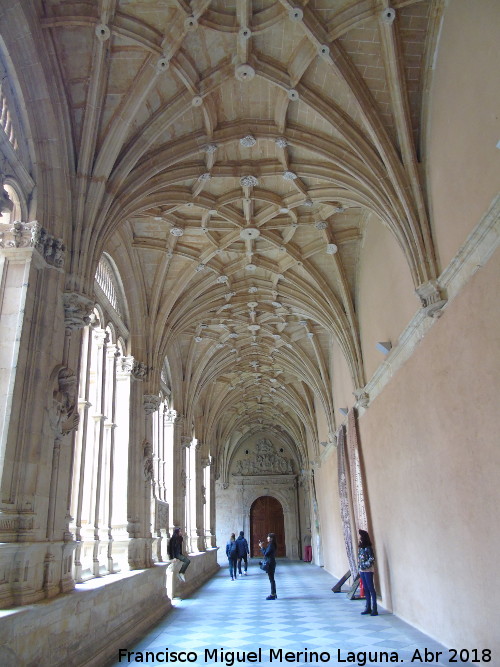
266	516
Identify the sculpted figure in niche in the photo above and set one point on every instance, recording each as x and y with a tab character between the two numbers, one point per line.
148	462
64	415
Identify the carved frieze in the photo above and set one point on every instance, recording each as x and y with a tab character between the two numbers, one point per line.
33	235
265	460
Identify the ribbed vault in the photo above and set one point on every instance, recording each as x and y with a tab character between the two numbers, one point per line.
228	155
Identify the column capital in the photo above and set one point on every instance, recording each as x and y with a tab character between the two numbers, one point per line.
151	403
32	235
186	441
130	366
169	417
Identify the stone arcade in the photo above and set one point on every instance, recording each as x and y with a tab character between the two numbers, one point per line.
249	277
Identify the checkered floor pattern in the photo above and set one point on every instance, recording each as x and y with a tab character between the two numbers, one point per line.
234	616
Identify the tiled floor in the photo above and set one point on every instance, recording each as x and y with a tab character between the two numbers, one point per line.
307	617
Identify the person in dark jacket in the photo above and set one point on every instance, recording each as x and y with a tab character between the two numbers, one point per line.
243	552
232	556
366	558
269	553
175	551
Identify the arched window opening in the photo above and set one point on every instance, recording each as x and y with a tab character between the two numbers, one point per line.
105	278
100	471
10	205
162	483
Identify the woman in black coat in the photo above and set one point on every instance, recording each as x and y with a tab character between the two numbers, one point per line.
269	553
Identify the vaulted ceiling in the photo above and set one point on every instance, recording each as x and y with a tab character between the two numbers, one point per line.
233	151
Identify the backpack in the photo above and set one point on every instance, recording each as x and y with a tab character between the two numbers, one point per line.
233	550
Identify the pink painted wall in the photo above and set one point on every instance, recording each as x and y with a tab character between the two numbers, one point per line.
464	123
431	448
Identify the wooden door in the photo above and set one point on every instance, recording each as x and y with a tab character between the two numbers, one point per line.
266	516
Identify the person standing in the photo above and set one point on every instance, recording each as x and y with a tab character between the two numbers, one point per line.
366	559
269	553
307	547
243	552
175	551
232	555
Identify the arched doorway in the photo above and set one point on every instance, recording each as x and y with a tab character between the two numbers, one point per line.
266	516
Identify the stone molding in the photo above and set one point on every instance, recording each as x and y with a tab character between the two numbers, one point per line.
474	253
33	235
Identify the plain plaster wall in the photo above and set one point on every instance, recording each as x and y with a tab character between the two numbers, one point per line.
432	464
464	123
386	299
334	553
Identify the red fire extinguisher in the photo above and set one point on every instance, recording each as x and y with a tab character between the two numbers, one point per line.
361	589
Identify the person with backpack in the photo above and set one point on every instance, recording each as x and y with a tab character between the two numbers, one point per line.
232	555
243	552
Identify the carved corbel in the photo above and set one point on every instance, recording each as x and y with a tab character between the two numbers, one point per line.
186	441
151	403
169	417
432	298
362	397
77	310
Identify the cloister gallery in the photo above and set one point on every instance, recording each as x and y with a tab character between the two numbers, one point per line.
249	280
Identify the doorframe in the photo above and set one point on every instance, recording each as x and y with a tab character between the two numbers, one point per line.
284	489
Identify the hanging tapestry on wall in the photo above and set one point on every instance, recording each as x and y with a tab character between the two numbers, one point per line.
357	492
345	500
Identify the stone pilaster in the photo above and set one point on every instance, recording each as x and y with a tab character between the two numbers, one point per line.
177	515
36	440
138	516
198	540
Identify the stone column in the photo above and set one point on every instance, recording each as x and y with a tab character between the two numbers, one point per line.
140	544
178	513
38	413
185	489
198	530
213	537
